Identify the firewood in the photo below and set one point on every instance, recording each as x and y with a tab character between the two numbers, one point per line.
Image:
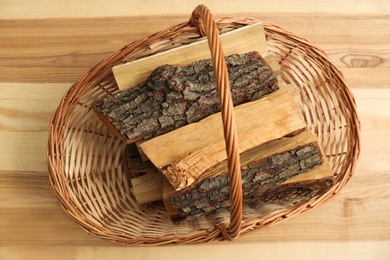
146	180
262	167
287	194
176	96
320	173
242	40
141	153
275	161
148	187
186	154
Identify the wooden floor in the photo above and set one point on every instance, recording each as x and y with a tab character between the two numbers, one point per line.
46	45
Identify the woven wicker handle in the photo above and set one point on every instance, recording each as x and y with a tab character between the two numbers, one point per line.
203	20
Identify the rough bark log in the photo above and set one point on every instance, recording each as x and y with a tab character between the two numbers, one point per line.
275	198
201	146
260	174
242	40
175	96
297	189
289	194
318	173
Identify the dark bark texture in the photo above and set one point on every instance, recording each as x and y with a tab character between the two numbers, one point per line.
135	165
174	96
286	195
257	176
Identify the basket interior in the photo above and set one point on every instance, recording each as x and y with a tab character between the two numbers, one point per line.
87	162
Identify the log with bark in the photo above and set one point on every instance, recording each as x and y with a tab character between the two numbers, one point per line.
262	167
275	145
242	40
302	187
199	148
174	96
290	193
287	195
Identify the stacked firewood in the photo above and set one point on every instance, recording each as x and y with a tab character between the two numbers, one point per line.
172	125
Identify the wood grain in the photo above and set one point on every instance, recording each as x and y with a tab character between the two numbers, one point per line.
244	40
63	55
100	8
46	45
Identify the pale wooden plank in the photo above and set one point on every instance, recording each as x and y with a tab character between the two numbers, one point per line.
100	8
48	54
299	250
41	74
33	213
28	189
41	225
109	34
87	36
23	151
341	219
374	78
29	107
30	212
371	177
359	56
117	31
25	113
38	51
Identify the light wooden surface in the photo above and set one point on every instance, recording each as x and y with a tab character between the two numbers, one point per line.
46	45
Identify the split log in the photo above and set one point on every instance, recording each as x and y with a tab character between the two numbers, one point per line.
148	187
245	39
274	199
141	153
146	180
176	96
277	194
263	167
200	147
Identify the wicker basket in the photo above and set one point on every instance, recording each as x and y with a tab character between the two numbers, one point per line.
86	161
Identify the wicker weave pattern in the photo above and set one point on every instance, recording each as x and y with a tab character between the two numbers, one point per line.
85	160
